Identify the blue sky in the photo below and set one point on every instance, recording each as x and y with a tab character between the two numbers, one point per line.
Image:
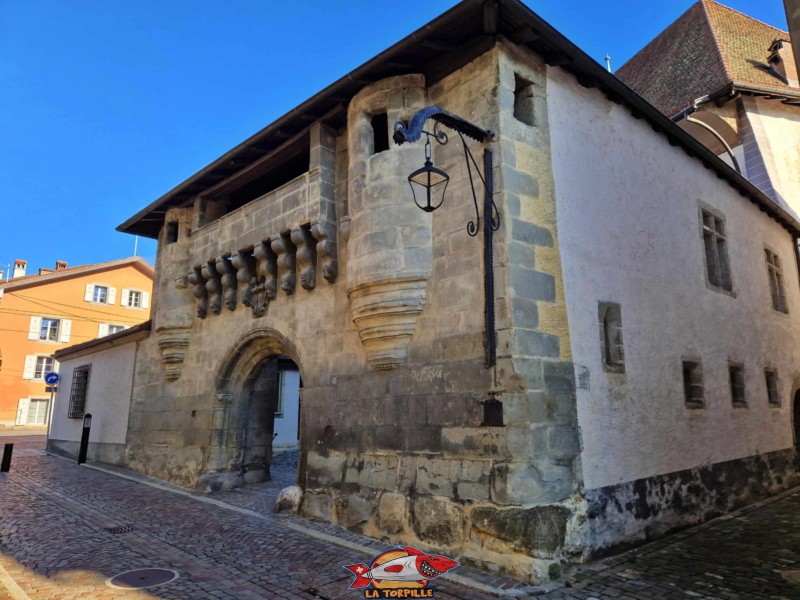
105	106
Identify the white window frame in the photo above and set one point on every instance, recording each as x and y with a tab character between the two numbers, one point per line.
128	294
43	358
91	296
45	330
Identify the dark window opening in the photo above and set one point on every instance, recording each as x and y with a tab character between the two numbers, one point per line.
715	242
693	384
772	387
776	287
523	100
380	132
172	232
276	177
736	373
611	337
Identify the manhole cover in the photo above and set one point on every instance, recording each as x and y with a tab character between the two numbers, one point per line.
141	578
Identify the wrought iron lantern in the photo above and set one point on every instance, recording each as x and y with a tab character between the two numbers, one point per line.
430	181
429	184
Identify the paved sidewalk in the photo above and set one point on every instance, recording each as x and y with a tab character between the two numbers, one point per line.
59	540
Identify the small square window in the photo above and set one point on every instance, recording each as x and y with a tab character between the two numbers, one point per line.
115	329
736	374
693	384
100	294
134	299
523	100
715	243
49	330
771	377
44	365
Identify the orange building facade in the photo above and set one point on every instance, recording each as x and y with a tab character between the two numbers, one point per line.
42	313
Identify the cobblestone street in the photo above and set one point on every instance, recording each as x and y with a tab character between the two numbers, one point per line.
64	530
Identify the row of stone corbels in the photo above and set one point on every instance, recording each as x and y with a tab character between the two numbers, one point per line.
231	277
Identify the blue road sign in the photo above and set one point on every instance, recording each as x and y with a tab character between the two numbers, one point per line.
51	378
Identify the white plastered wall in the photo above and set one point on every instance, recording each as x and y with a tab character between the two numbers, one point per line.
780	124
108	396
628	217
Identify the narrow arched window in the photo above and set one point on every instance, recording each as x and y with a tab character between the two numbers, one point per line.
611	337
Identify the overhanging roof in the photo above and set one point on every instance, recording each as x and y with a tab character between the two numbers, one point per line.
445	44
27	281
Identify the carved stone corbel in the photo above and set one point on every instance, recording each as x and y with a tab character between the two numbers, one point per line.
213	286
284	249
267	267
199	291
306	256
172	343
244	264
325	234
228	280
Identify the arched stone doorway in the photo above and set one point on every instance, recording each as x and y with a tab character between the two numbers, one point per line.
257	401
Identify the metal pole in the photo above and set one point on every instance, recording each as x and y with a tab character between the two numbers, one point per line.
87	425
488	261
6	464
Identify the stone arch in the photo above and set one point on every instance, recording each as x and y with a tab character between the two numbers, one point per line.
794	411
240	447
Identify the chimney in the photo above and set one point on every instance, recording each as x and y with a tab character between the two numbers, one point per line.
19	268
60	265
793	19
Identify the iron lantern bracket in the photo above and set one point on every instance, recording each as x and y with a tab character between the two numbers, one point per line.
412	131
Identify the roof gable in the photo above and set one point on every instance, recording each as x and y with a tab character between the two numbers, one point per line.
707	49
35	280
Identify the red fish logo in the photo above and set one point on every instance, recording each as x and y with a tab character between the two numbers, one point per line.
405	567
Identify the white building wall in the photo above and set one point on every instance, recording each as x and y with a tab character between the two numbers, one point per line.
777	126
108	396
628	219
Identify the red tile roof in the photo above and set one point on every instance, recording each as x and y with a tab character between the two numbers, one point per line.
706	49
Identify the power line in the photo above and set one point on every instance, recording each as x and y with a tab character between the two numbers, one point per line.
75	306
15	312
61	310
72	335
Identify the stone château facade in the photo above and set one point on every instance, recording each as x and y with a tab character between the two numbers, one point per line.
304	242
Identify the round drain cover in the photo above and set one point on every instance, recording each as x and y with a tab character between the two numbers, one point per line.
141	578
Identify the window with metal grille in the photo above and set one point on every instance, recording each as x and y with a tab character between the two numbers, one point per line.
771	377
693	384
77	394
776	287
736	374
715	241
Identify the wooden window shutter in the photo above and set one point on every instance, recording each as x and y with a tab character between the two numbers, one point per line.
125	297
35	329
66	327
112	295
22	411
89	294
102	330
30	367
145	300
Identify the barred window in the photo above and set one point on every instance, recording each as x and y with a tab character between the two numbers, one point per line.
776	287
77	395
